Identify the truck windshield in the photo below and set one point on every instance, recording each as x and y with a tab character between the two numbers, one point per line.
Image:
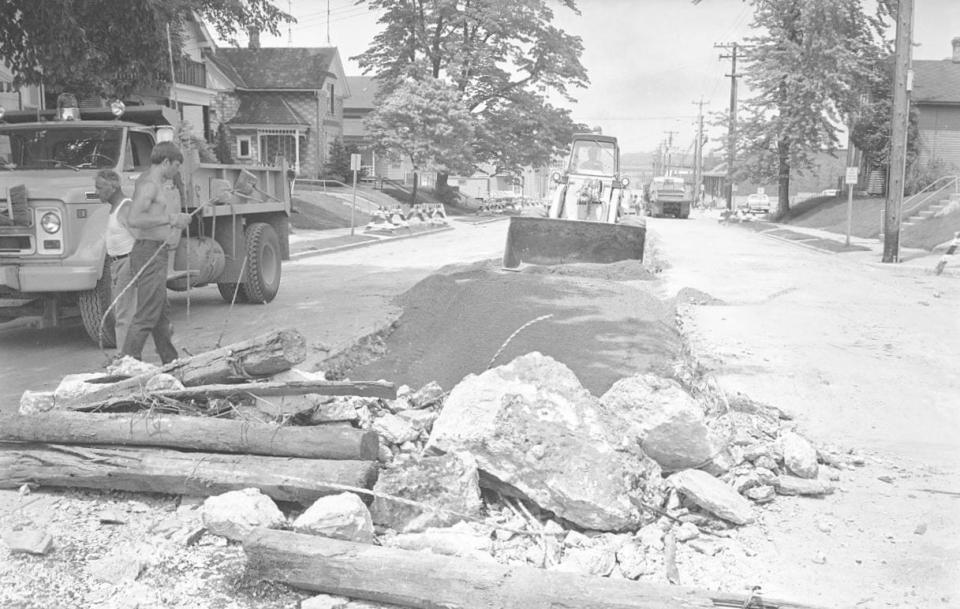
71	147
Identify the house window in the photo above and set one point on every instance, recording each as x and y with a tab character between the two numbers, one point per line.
244	147
333	109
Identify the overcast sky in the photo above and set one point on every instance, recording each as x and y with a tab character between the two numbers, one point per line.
648	61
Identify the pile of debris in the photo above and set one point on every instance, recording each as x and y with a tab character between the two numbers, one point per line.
516	487
227	419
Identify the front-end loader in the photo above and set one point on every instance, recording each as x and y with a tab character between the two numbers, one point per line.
587	219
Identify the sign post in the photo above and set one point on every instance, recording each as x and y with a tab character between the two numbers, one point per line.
355	166
851	181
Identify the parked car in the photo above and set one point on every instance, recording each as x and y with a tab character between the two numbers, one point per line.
758	203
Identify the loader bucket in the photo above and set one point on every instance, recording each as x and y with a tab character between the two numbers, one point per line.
533	240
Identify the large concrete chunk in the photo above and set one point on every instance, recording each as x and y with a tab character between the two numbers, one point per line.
799	455
665	419
342	516
535	431
449	482
712	495
234	514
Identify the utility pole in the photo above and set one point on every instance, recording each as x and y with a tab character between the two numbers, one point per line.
667	163
898	133
732	125
698	154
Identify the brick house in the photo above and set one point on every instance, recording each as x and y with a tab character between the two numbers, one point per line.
936	99
279	102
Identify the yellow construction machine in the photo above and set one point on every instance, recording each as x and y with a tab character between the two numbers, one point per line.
588	219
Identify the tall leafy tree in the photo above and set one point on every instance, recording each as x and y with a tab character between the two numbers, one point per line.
426	121
807	67
504	59
110	48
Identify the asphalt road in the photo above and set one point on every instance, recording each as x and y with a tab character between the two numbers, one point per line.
333	299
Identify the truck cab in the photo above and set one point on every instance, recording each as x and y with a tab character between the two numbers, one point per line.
53	263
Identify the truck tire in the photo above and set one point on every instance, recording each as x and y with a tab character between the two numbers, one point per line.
227	290
684	211
92	305
263	263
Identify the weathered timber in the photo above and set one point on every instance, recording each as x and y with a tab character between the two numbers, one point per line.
160	470
191	433
261	356
368	389
419	579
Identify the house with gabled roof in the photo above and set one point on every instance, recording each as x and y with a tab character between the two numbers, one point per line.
936	99
284	102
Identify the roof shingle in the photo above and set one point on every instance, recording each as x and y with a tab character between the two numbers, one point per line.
936	81
276	68
266	109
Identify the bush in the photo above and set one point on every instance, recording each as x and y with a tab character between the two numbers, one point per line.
919	174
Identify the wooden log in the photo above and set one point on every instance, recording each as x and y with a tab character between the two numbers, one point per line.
419	579
369	389
262	356
191	433
160	470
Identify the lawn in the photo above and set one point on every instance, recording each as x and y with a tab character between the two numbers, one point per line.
830	214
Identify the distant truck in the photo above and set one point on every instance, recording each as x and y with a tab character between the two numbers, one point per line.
53	260
668	195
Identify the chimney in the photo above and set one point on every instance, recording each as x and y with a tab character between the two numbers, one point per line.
956	49
254	42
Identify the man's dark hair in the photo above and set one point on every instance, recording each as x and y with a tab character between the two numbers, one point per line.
165	151
110	176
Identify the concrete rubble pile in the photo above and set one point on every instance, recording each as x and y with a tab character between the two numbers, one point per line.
519	467
522	466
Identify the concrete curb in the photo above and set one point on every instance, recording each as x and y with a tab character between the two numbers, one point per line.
487	221
377	241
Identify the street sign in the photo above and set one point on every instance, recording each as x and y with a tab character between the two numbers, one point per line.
851	177
354	162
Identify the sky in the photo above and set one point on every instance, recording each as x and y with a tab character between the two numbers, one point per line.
650	62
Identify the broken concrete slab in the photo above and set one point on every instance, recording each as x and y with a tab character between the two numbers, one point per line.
342	516
799	456
395	430
448	482
713	496
234	514
28	541
791	485
668	421
537	433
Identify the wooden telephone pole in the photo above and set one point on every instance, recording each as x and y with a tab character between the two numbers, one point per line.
732	126
898	133
698	154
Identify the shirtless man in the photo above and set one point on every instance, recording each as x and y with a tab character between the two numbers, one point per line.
154	228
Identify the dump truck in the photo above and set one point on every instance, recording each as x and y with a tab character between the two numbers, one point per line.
588	219
54	268
668	195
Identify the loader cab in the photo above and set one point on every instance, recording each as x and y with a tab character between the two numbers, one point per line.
594	155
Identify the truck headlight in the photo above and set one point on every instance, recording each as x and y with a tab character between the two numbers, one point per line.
50	222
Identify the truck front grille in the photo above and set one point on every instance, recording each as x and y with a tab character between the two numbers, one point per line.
18	244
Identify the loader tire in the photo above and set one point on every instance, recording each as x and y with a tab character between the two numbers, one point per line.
684	213
93	303
227	290
263	263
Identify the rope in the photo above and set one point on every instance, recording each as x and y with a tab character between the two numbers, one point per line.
512	336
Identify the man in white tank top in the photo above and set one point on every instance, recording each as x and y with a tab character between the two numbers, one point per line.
119	243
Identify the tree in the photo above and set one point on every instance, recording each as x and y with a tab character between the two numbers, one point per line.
808	68
426	121
502	58
106	48
338	161
221	146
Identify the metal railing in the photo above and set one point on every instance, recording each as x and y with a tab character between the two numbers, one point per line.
935	189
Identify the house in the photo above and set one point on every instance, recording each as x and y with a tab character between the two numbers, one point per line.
936	99
13	98
279	102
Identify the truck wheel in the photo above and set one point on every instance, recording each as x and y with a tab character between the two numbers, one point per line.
684	212
92	304
263	263
227	290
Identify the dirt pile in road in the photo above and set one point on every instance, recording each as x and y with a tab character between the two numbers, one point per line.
457	322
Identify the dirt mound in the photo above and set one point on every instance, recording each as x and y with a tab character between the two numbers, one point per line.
455	322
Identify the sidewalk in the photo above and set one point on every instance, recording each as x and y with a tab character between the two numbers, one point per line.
304	243
868	251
